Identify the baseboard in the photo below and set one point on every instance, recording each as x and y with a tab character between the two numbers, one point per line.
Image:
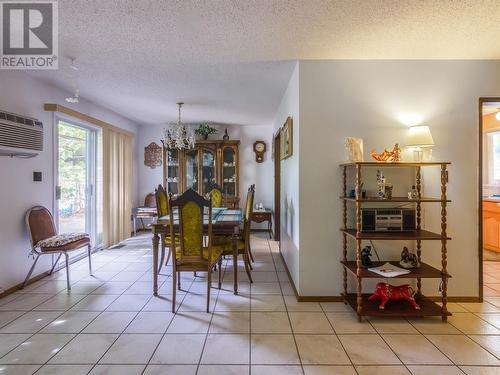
17	287
40	276
463	299
339	298
320	299
289	276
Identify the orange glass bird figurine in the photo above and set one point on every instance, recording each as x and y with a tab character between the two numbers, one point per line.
386	156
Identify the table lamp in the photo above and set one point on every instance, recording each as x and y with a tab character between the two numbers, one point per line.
418	138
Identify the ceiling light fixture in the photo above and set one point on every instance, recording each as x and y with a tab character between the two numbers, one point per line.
73	76
178	136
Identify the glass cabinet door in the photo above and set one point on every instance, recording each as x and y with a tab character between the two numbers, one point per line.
208	170
173	171
192	170
229	179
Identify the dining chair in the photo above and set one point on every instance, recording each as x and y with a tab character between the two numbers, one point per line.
194	251
216	195
148	211
162	199
243	243
45	240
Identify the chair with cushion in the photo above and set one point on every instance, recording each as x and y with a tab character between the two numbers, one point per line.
148	211
192	243
244	241
45	240
162	210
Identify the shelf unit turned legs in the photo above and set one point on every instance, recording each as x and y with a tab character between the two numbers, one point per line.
418	181
444	261
344	225
357	300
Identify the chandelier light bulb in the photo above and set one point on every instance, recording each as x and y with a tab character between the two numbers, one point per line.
178	136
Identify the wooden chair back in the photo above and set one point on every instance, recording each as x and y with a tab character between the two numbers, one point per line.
150	200
40	223
216	195
161	198
247	213
190	207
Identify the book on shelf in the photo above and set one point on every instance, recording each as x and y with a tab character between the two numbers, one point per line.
389	270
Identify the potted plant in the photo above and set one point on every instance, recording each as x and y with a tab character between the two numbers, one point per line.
204	130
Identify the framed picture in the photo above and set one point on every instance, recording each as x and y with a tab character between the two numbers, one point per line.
286	139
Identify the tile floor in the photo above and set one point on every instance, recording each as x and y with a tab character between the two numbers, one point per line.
491	278
111	324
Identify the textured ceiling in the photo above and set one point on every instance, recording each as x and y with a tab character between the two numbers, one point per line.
230	60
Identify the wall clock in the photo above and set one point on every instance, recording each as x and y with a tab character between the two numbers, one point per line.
259	147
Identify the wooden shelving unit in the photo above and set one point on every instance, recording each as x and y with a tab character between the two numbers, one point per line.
359	301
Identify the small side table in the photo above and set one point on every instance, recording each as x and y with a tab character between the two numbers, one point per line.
265	214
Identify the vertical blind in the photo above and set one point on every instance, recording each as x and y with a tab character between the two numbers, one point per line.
117	186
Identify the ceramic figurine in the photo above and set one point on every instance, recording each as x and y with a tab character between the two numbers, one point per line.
366	253
380	184
408	260
386	292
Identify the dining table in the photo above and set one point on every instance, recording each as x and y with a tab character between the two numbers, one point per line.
225	221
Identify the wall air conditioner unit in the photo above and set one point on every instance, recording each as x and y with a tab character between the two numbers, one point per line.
20	136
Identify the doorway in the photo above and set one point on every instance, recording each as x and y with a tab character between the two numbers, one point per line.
277	186
78	194
489	197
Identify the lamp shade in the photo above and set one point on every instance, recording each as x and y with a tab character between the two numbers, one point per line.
419	136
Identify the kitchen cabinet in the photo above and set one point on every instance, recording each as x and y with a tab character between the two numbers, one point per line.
491	225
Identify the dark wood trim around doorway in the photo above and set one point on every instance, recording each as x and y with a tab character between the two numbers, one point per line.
480	189
277	186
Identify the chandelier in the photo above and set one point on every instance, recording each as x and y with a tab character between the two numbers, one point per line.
177	136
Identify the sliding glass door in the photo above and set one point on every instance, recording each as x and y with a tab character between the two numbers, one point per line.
78	165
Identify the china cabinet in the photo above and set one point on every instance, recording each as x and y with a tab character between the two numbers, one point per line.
208	163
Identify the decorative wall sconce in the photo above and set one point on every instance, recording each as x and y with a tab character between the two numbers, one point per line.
152	155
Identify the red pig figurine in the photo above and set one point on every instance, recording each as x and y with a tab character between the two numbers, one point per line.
385	292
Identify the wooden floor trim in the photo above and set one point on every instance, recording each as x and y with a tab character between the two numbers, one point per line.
463	299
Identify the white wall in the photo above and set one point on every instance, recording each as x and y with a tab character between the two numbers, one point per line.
25	95
251	172
290	241
366	99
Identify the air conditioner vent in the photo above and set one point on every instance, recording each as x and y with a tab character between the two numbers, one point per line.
19	135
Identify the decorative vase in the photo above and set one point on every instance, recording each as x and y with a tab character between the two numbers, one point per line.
205	137
226	136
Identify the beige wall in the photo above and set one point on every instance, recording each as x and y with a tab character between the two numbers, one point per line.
290	215
367	99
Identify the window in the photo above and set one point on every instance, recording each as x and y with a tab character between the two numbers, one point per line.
79	180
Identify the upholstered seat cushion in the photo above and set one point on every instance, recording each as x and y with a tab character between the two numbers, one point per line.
61	240
226	243
216	253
